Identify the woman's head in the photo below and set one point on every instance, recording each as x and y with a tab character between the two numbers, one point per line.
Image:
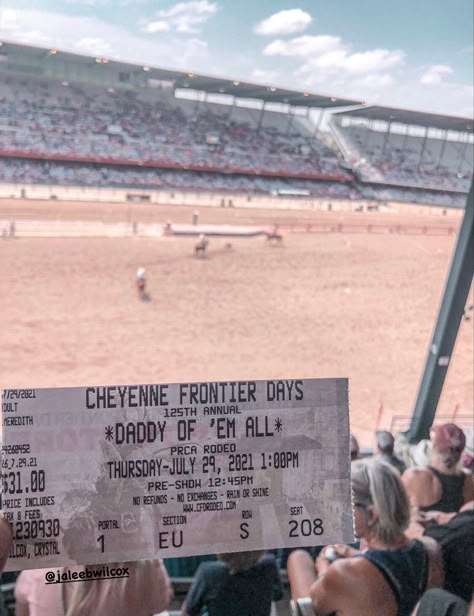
448	444
380	501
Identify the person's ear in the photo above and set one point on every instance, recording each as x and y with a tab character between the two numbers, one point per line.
372	516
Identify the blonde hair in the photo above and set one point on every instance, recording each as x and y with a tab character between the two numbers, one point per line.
377	484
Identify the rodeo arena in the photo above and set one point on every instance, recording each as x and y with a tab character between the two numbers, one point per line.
292	273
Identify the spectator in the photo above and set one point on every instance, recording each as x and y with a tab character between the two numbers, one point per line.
241	584
467	459
354	446
6	536
455	535
385	445
438	602
389	576
442	486
146	591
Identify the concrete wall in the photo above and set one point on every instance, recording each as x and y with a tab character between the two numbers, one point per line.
208	199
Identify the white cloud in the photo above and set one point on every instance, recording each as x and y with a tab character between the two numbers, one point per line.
284	22
434	74
93	45
156	26
303	46
184	17
377	81
93	36
327	56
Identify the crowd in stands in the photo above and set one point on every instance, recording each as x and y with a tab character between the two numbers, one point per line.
409	161
416	531
414	554
165	142
379	192
73	122
83	174
30	171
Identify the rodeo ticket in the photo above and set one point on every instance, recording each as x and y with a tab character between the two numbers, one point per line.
119	473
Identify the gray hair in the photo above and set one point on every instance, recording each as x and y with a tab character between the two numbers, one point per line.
377	484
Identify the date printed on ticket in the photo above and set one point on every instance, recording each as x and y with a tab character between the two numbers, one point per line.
131	472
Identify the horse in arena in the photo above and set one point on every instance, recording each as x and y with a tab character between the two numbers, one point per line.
274	235
201	246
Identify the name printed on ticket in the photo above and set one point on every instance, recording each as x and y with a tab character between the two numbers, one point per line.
118	473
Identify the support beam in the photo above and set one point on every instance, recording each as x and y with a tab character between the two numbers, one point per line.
387	136
443	146
290	121
231	109
260	117
449	317
423	147
463	154
367	135
318	124
405	138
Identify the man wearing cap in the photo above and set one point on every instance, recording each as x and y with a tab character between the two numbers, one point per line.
441	486
385	445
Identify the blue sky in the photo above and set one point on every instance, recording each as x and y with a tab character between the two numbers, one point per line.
414	54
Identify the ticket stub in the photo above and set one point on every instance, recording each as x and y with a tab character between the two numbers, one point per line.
118	473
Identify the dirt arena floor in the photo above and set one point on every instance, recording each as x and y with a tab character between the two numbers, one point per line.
319	305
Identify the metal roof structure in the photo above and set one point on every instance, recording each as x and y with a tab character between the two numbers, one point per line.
412	118
183	79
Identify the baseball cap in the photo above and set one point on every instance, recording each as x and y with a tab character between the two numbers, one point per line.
385	439
448	436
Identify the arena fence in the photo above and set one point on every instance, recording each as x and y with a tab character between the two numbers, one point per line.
216	199
68	228
400	423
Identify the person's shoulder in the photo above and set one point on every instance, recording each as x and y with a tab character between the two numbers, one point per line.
415	474
344	570
345	575
214	567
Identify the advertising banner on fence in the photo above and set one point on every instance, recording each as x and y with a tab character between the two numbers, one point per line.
117	473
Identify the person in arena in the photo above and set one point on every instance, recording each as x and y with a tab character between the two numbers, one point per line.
385	446
391	572
146	591
238	584
441	486
140	278
274	234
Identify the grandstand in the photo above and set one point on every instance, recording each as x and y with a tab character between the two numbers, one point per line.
67	119
395	151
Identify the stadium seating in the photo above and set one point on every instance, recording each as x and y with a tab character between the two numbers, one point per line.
407	160
86	174
47	119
